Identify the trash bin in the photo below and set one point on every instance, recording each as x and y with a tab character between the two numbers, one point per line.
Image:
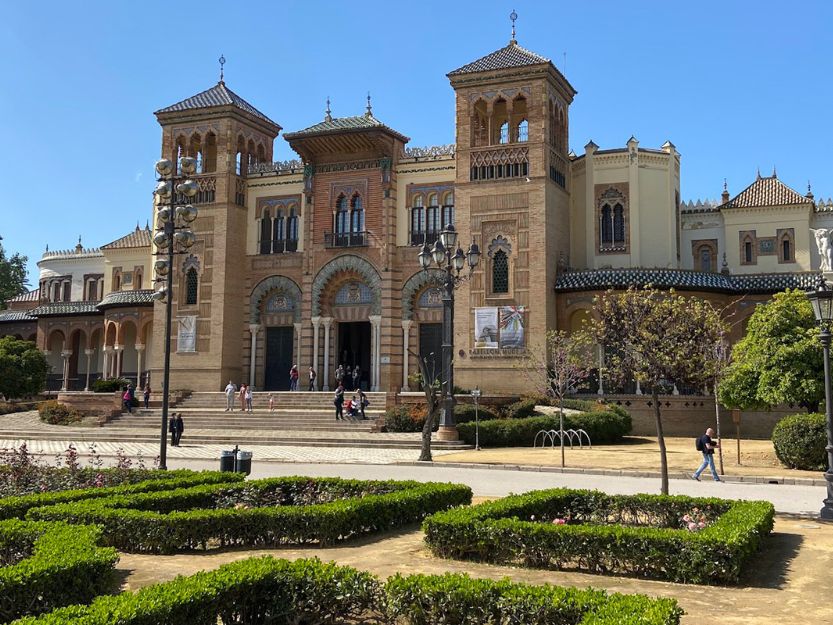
227	460
244	462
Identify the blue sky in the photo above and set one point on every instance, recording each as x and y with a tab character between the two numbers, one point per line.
734	85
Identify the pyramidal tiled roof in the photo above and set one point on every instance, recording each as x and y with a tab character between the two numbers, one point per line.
140	237
336	124
29	296
13	316
767	191
218	95
512	55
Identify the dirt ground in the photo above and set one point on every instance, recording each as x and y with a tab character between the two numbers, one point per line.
785	583
642	454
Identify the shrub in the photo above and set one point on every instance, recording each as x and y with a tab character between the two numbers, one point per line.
7	407
257	513
404	419
60	565
524	408
18	506
110	386
800	441
58	414
641	535
264	590
602	427
464	413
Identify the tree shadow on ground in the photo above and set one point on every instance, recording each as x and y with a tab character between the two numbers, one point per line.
769	567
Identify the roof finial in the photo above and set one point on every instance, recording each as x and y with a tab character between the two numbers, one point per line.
513	16
369	112
327	113
774	173
47	247
724	197
222	60
758	177
809	191
78	247
725	185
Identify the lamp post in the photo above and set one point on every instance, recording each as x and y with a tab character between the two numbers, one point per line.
822	300
451	263
173	236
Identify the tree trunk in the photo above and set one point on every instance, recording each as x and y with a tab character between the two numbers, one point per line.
561	426
663	458
425	451
717	419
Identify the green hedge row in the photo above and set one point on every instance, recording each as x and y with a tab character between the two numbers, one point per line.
223	514
61	565
264	590
640	535
800	441
17	507
608	426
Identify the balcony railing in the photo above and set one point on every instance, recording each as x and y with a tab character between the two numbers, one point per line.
420	238
497	163
278	246
345	239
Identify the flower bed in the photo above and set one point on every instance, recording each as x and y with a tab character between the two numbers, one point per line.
266	590
16	507
641	535
47	565
278	511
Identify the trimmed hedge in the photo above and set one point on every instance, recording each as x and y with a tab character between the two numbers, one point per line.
62	565
219	514
640	535
265	590
607	426
17	507
800	441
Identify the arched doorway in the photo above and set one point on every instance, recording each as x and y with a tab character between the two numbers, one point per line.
275	308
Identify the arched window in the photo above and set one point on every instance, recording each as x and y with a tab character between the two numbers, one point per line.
238	162
278	232
523	130
786	250
137	279
786	245
479	125
116	282
448	209
747	252
292	230
266	232
200	162
418	221
618	225
500	272
210	156
606	226
356	215
504	133
342	216
432	216
191	287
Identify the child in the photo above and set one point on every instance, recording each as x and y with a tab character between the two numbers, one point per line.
271	403
249	398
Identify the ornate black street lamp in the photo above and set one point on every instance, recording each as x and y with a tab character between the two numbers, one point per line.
451	262
173	236
822	300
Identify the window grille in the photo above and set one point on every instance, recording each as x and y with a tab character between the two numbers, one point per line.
500	272
191	284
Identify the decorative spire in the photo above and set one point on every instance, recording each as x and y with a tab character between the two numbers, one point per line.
222	61
369	112
724	269
513	16
758	176
147	224
774	173
78	247
724	197
809	191
327	113
47	248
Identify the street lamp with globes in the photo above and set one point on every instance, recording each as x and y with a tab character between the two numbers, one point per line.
172	236
451	262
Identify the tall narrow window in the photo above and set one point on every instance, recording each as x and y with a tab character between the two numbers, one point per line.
504	133
418	221
618	225
342	216
523	131
606	227
278	232
500	272
356	215
432	216
292	230
787	251
448	210
747	251
191	286
238	162
137	280
266	233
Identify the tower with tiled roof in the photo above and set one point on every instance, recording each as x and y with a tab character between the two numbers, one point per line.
228	137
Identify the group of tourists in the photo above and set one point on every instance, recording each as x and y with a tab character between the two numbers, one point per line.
176	427
129	396
244	394
353	407
350	379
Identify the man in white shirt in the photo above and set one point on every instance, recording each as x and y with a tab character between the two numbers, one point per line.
231	389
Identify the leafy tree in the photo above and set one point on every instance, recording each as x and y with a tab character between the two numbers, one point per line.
23	368
556	369
779	360
657	338
12	276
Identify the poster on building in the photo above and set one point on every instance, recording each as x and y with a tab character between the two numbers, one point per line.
485	328
186	336
511	327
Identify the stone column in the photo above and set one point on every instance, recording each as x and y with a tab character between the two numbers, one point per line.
298	356
406	335
328	322
140	349
105	364
253	328
65	355
117	352
88	353
316	322
375	327
638	388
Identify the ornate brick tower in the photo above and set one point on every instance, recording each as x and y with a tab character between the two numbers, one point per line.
226	135
512	197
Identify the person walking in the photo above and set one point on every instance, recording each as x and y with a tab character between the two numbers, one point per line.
338	401
707	445
146	394
242	397
293	378
126	401
363	402
231	389
312	376
249	398
357	378
180	428
172	428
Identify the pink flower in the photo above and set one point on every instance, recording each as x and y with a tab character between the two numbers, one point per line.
559	521
692	527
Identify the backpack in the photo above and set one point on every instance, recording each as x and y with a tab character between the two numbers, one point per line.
698	443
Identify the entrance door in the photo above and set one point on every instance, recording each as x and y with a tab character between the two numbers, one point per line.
431	347
278	358
354	349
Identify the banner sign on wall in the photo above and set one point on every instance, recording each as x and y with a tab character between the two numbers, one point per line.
186	336
511	327
485	328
